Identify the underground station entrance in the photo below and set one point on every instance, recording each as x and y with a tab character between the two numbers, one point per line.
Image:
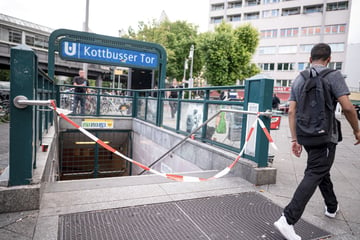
81	158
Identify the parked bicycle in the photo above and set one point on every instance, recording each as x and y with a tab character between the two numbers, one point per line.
4	108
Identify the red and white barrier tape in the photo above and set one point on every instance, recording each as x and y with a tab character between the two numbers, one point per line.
175	177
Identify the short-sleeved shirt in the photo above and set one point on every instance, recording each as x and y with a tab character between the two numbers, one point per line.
79	80
336	82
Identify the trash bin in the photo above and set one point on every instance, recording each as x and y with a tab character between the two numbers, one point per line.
275	122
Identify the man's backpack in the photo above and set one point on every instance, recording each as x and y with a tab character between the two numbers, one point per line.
315	111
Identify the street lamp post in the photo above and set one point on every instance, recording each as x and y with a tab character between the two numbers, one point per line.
184	77
191	57
86	29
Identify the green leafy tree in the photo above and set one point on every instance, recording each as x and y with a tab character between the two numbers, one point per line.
4	75
227	54
177	38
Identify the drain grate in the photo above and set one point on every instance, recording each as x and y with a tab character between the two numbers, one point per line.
236	216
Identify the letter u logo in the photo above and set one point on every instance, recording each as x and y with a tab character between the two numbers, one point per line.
70	49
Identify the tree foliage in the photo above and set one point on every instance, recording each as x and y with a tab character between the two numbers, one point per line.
228	52
224	56
176	37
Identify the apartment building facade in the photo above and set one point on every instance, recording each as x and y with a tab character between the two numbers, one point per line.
288	29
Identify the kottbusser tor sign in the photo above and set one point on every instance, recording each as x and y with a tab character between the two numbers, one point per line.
82	52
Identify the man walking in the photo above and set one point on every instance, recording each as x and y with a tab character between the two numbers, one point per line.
80	84
320	156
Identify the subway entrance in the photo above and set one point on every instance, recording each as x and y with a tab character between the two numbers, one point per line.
82	158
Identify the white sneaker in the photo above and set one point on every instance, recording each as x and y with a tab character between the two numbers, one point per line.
331	215
286	229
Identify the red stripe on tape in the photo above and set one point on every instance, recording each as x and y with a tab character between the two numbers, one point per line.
250	132
69	120
236	160
104	145
141	165
178	178
267	134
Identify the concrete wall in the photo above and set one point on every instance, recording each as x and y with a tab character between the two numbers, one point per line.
150	142
27	197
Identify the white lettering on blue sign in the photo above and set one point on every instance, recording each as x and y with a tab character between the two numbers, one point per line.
101	54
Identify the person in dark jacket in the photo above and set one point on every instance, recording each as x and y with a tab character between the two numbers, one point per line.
80	83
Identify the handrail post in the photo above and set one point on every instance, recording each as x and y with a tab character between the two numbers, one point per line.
22	154
258	96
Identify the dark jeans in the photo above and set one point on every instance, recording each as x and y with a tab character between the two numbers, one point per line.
81	99
317	173
173	108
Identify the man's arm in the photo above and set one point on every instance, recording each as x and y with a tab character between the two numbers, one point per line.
292	120
350	114
295	146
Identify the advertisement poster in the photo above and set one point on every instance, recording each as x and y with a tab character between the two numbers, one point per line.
250	148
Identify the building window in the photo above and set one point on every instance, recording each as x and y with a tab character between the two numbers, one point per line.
285	66
302	66
287	49
267	50
270	1
270	13
335	29
310	31
305	48
216	7
236	4
252	2
290	11
313	9
335	65
289	32
234	18
14	36
29	40
282	83
337	47
251	16
272	33
36	41
267	66
216	19
335	6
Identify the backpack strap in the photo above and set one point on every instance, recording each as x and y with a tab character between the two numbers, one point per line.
325	72
305	74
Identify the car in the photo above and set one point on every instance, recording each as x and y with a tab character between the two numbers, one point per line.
284	108
357	109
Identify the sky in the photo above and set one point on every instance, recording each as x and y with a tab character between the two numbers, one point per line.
106	17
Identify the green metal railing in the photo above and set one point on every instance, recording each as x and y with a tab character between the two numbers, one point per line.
154	106
28	123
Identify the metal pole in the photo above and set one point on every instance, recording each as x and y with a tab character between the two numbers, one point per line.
184	77
191	56
86	29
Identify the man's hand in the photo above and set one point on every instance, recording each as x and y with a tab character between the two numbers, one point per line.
357	137
296	149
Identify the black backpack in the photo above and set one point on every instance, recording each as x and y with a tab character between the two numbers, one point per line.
315	111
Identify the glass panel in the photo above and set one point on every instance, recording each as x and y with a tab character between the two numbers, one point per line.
141	108
226	127
114	105
168	120
151	110
191	117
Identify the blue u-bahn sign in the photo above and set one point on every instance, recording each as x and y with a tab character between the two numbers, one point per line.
76	51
